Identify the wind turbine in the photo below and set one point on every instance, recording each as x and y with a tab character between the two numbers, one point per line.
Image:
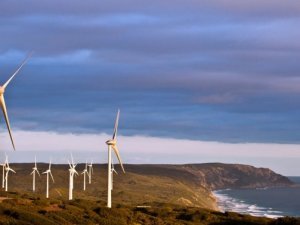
72	171
34	170
7	169
90	171
48	171
3	172
112	144
2	101
112	174
85	172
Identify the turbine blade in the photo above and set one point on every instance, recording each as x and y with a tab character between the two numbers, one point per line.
115	171
69	164
72	159
11	170
116	125
115	148
15	73
3	106
38	173
51	176
32	172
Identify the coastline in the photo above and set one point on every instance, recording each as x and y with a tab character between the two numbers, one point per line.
270	202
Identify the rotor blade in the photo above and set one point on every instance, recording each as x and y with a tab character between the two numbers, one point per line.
3	106
50	165
35	161
118	156
14	74
51	176
32	172
38	172
116	126
11	170
72	159
69	164
115	171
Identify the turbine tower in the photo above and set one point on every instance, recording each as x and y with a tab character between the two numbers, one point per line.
7	169
72	172
112	174
112	144
3	171
2	101
90	171
48	171
85	172
34	170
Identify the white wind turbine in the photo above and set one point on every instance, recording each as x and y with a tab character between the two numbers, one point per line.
7	169
34	170
90	171
2	101
112	144
48	171
85	172
3	173
71	178
112	174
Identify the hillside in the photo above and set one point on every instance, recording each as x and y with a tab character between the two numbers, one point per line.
185	185
172	194
35	210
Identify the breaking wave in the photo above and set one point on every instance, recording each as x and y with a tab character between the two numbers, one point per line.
227	203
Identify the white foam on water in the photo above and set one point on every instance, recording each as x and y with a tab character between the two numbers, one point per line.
227	203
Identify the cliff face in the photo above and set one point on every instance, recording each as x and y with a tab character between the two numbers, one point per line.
217	175
220	176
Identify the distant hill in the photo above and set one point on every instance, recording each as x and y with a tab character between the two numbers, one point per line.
184	185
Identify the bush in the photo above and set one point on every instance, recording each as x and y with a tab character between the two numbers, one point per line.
11	213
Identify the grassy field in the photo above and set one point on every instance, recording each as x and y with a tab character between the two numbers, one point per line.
133	188
173	196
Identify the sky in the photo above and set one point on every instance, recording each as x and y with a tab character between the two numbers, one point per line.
222	76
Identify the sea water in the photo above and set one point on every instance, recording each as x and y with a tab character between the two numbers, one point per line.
268	202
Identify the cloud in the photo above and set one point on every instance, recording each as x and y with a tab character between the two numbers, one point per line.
205	70
143	149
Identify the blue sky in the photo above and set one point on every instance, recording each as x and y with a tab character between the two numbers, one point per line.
223	71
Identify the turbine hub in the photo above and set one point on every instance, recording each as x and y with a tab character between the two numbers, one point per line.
111	142
2	90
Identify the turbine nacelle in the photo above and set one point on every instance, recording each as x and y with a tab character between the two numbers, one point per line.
2	90
111	142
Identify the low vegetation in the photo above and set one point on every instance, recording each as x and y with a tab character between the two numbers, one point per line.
146	194
27	209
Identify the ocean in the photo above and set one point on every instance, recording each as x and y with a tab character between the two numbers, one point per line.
268	202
